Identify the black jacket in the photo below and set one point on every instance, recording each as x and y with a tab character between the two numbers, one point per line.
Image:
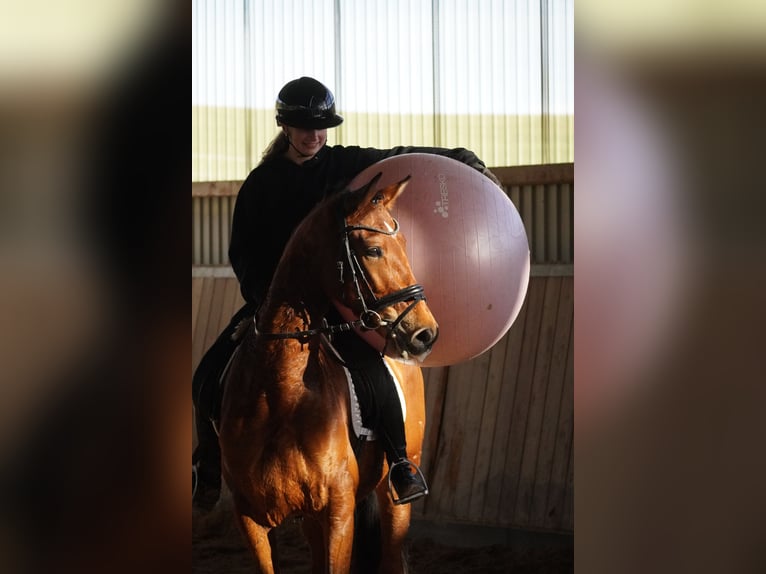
278	194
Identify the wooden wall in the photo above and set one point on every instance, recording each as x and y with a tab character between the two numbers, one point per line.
499	429
215	299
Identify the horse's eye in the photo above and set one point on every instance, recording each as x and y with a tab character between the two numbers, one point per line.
374	252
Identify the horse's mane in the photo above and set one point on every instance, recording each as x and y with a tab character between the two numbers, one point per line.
330	203
310	233
335	201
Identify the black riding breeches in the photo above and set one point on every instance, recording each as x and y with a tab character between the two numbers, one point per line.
377	393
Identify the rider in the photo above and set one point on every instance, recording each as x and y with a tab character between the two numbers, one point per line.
297	170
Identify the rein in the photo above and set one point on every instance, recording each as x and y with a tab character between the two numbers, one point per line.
324	329
369	319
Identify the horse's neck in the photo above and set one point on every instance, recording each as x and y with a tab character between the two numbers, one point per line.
288	316
295	301
286	367
294	304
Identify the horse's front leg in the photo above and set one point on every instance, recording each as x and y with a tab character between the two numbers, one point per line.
339	525
394	526
259	540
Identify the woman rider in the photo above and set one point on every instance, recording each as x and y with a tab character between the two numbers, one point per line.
298	170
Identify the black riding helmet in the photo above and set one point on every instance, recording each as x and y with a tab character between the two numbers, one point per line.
308	104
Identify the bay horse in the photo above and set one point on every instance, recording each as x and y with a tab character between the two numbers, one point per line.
285	432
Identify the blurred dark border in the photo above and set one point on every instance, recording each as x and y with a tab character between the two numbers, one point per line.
95	485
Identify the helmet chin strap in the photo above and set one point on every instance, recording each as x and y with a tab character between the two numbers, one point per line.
299	152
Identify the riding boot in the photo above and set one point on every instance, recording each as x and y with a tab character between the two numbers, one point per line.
206	458
206	466
404	475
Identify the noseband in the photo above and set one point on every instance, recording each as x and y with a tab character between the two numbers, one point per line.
369	318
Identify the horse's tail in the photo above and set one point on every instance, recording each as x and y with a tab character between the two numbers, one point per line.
366	553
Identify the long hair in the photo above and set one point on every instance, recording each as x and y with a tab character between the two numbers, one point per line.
277	147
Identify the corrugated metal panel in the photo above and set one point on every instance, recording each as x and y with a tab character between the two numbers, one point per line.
495	76
545	206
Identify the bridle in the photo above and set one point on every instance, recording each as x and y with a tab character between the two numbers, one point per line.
369	319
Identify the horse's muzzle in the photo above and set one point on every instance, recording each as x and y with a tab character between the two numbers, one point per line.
417	344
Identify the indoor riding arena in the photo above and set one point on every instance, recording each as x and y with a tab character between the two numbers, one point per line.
490	76
499	428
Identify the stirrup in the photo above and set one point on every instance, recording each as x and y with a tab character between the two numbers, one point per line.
414	495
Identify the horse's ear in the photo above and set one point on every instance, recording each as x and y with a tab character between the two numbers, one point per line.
369	194
356	197
389	194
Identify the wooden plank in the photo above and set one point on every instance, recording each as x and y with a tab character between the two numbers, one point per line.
535	417
196	227
567	520
226	215
196	296
514	192
535	174
485	449
447	470
558	515
492	500
475	386
552	225
205	233
520	411
216	188
551	270
198	344
566	223
212	271
528	216
538	251
553	410
435	381
215	232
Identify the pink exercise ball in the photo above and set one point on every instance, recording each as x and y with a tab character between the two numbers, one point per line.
467	246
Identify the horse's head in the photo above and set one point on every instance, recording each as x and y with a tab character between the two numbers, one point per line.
377	281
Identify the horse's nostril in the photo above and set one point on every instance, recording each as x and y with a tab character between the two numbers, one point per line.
425	337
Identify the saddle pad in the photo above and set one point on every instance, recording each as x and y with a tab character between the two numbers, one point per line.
356	412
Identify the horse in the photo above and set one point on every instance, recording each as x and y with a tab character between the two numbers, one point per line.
286	435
